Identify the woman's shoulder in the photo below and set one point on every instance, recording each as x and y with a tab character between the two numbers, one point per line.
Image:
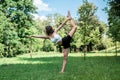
56	31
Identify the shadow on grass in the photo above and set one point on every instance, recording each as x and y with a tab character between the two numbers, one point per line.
43	59
47	68
71	58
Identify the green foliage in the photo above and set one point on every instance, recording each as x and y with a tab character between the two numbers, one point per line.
77	38
15	24
59	20
48	46
91	29
112	49
42	45
114	19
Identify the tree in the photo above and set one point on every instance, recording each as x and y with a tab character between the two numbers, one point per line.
45	45
3	21
18	24
114	21
91	28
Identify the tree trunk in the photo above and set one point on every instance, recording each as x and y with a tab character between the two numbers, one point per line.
116	47
43	48
60	48
90	46
9	51
85	50
31	49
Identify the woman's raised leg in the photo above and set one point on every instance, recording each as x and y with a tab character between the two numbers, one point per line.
74	27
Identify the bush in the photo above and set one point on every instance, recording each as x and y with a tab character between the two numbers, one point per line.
100	46
48	46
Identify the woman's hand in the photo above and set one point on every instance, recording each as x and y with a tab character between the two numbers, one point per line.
69	16
66	20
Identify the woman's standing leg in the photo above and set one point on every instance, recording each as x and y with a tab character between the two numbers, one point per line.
66	51
65	54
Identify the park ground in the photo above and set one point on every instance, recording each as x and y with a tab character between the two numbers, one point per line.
47	65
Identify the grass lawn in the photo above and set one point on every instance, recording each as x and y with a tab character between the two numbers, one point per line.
46	66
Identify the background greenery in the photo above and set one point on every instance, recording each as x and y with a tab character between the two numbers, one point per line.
16	22
38	59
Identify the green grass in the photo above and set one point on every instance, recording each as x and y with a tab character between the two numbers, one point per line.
46	66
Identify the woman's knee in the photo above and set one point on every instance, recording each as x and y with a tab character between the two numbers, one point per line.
65	56
66	51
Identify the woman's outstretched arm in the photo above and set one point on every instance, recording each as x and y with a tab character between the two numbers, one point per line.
68	18
61	25
38	36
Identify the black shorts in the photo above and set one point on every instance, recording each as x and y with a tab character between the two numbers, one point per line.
66	41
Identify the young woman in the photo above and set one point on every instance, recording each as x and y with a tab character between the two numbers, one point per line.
56	38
